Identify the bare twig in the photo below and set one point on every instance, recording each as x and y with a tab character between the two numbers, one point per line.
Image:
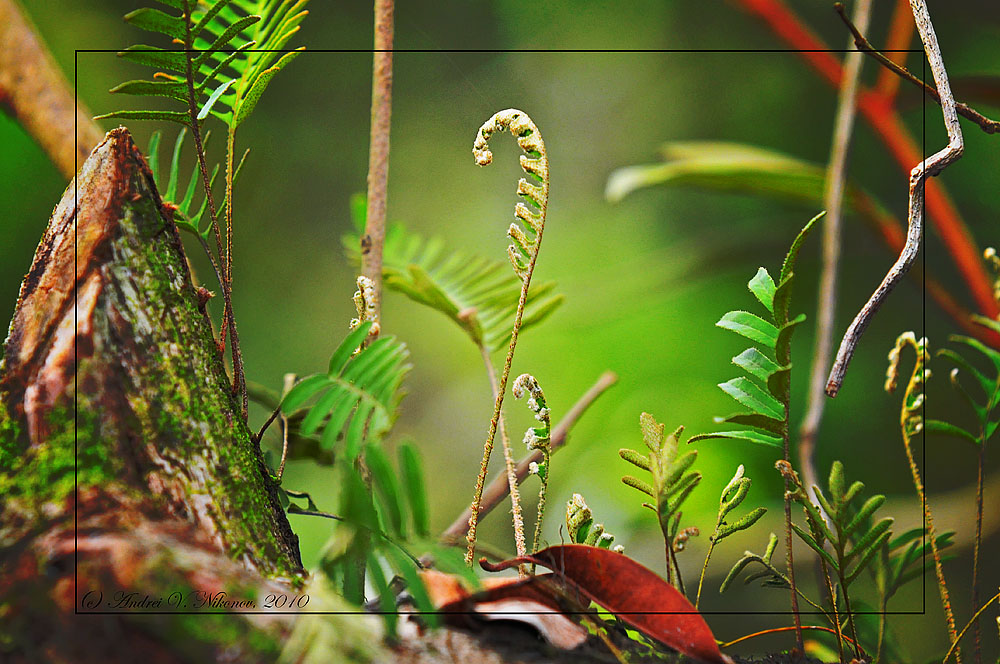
511	472
35	92
833	200
378	152
497	490
966	111
289	382
925	169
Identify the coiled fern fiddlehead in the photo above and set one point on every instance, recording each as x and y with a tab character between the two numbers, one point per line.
523	253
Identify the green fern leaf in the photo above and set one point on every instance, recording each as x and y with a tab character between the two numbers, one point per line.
749	435
357	398
750	326
477	294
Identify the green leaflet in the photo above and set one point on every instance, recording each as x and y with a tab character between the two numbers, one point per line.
186	216
742	169
357	398
478	294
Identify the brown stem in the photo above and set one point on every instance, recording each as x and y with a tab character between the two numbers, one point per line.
511	471
966	111
378	153
35	92
833	199
225	277
975	552
498	489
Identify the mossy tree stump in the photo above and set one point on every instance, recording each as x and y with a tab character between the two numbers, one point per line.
124	463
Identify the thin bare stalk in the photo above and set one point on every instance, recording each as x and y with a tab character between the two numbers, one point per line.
833	203
974	619
510	466
704	568
975	552
918	176
378	152
498	489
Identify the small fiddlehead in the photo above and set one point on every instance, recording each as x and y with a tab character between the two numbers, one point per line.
537	438
523	254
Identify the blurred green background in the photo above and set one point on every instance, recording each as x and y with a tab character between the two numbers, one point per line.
645	279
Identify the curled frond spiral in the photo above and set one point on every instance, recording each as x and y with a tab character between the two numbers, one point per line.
535	164
913	399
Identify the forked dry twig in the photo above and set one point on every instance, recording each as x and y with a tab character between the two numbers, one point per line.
918	176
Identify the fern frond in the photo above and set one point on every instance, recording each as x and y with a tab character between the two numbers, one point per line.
766	391
478	294
229	51
357	397
527	237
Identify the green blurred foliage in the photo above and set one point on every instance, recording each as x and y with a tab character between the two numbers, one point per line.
645	279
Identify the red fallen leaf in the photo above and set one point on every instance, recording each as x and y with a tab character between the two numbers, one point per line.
518	599
635	594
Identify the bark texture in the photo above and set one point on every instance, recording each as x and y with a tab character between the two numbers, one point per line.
108	328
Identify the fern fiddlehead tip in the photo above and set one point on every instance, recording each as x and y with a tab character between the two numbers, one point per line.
535	164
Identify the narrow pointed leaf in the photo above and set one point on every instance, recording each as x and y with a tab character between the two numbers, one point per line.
750	436
750	326
762	287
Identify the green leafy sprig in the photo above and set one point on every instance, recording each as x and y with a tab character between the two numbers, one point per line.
476	293
671	483
853	546
357	397
732	496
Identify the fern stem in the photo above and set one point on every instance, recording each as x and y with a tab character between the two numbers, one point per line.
498	488
225	277
932	535
530	136
789	558
509	465
836	608
542	491
975	551
378	152
704	568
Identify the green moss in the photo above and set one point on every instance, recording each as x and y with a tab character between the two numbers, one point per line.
45	473
11	445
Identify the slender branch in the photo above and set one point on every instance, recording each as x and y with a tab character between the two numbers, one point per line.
37	95
987	125
775	630
833	200
378	153
890	128
974	619
926	168
289	382
498	489
511	471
